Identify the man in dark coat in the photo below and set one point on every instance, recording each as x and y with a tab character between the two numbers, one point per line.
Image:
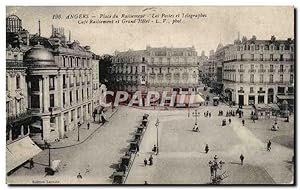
145	162
269	146
88	126
151	160
242	159
243	121
206	148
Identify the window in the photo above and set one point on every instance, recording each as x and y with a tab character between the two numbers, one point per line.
292	68
281	78
51	83
77	96
252	67
143	69
291	78
51	100
252	78
64	98
64	81
271	57
169	60
160	70
87	93
143	59
169	70
241	78
261	57
252	57
160	60
152	70
241	57
78	112
261	66
72	115
152	59
271	68
71	97
251	90
35	101
261	78
18	81
6	82
82	95
281	57
281	68
271	79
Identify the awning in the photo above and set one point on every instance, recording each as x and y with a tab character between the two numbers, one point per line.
19	152
37	124
189	99
286	97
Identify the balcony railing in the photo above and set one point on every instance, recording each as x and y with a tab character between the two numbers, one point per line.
19	116
251	70
241	70
261	70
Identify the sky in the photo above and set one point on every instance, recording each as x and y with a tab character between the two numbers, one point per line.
221	25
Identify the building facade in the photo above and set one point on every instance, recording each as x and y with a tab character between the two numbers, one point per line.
259	71
157	69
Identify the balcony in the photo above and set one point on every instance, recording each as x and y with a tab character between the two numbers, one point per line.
19	116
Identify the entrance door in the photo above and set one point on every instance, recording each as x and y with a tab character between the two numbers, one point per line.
241	100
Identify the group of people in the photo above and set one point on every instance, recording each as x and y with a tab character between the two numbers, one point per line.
195	128
207	114
150	159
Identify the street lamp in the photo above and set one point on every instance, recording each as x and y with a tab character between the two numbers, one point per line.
196	114
214	167
156	125
49	153
79	124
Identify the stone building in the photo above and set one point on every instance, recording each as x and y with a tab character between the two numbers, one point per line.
259	71
157	69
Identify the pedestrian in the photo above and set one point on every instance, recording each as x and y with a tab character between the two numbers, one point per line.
79	176
229	120
137	148
88	126
31	163
209	114
243	121
242	159
145	162
253	119
269	146
150	160
154	148
146	183
206	148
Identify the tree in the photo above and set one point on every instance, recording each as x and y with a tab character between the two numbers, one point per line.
105	70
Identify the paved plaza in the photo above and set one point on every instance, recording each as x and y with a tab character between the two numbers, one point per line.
181	158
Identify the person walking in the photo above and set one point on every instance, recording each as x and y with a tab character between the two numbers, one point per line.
242	159
88	126
229	120
209	114
206	148
79	176
243	121
150	160
145	162
269	146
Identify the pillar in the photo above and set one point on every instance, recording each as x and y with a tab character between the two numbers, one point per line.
41	93
266	98
256	99
46	127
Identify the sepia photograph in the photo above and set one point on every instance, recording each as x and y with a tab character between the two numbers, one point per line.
150	95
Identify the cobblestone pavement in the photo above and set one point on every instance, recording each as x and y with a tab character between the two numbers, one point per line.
93	159
182	160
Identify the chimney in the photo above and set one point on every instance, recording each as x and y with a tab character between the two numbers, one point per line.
39	28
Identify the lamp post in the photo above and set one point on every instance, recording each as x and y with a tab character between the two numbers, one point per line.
79	124
214	167
196	114
49	153
156	125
